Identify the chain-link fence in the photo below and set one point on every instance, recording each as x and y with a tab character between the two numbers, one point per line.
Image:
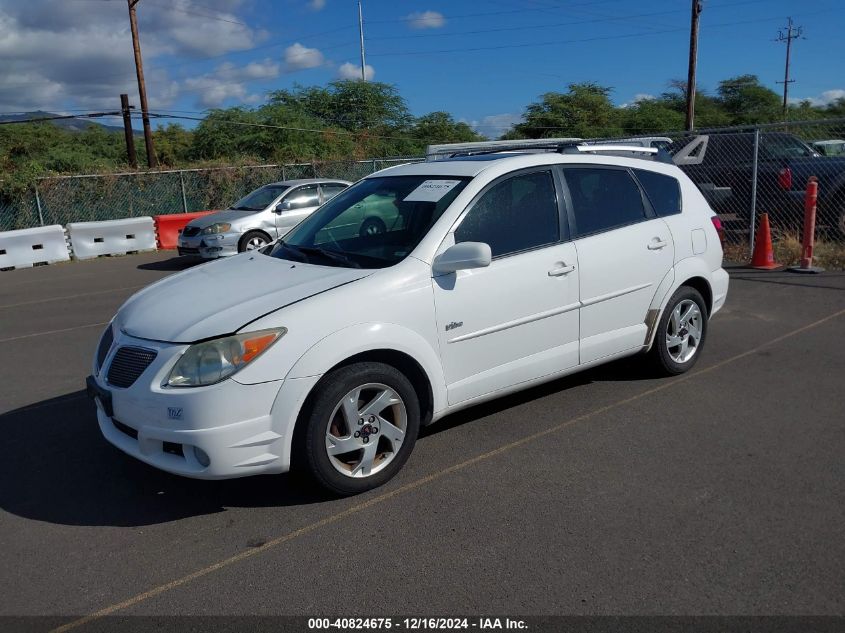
744	172
66	199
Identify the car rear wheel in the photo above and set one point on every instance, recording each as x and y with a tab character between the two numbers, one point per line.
252	240
681	332
361	427
372	226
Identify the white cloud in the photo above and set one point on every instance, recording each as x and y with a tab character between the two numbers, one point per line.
56	55
353	71
825	98
316	5
640	96
299	57
494	125
426	20
228	83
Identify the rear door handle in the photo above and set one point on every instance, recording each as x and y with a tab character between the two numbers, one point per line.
561	270
656	244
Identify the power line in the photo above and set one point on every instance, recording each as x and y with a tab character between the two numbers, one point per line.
59	117
578	41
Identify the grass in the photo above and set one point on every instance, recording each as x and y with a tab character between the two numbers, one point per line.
787	248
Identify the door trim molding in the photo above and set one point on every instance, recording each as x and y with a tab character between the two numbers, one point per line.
613	295
516	322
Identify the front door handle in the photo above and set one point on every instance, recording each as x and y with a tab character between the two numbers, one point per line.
656	244
561	270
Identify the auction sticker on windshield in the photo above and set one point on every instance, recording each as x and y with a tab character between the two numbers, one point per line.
431	190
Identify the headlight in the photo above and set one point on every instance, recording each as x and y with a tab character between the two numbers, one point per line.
217	227
210	362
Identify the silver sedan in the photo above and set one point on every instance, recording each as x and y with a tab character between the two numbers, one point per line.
257	219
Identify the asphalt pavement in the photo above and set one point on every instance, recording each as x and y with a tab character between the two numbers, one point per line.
720	492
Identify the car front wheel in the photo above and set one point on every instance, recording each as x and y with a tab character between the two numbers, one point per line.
361	427
252	240
681	332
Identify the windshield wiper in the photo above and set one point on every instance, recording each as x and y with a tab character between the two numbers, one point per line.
245	209
338	257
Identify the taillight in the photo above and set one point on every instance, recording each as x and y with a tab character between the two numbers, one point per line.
717	224
785	178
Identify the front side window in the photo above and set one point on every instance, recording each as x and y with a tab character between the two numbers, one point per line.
603	199
664	192
303	197
259	199
375	223
515	214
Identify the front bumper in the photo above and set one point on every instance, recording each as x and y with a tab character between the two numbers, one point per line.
209	246
216	432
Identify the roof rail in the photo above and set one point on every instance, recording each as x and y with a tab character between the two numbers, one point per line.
448	150
584	147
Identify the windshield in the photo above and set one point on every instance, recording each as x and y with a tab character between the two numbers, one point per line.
783	146
259	199
373	224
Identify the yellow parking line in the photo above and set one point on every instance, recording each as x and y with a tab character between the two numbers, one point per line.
67	329
141	597
84	294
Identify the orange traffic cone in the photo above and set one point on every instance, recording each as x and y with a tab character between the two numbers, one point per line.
764	256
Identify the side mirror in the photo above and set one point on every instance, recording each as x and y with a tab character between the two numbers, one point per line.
284	205
462	256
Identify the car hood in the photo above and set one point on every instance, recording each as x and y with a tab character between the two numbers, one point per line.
221	297
229	215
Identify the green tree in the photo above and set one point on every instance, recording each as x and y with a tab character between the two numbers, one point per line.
746	100
173	144
585	111
440	127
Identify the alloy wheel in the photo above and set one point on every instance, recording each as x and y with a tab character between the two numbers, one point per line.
366	430
684	331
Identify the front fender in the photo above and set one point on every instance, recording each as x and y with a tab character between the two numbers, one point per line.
365	337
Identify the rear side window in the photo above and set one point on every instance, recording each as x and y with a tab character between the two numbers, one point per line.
330	190
514	215
603	199
664	192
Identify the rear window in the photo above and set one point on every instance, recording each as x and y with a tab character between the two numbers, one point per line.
664	192
603	199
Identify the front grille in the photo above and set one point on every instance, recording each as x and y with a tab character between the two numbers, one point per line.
105	345
129	363
191	231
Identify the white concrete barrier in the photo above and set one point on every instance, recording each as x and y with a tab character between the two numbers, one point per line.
114	237
25	247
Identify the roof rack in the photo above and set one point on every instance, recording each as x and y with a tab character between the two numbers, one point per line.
560	145
450	150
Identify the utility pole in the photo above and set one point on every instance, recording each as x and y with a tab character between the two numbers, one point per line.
792	33
693	60
361	31
127	131
142	89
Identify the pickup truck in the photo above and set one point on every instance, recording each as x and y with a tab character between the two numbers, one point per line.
722	167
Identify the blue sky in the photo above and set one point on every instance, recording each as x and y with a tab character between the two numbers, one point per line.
481	61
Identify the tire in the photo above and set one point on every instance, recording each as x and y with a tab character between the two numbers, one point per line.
372	226
252	240
683	322
379	440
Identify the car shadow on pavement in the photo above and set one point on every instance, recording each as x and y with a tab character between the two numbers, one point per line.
55	466
173	264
